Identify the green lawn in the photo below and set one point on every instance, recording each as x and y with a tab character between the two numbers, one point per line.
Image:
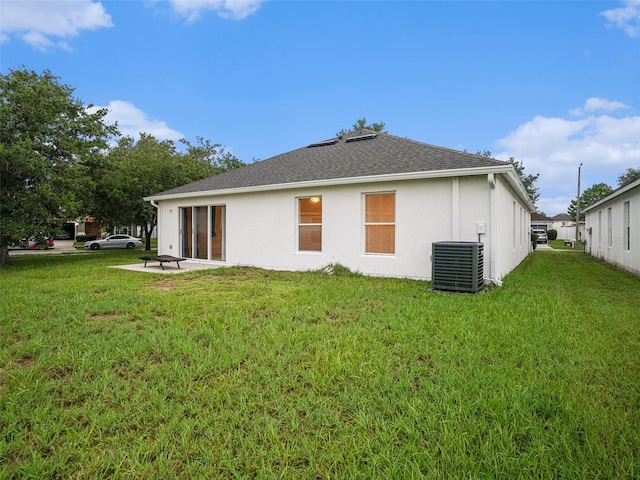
559	245
244	373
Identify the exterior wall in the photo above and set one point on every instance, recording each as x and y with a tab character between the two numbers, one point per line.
261	227
513	242
597	231
566	230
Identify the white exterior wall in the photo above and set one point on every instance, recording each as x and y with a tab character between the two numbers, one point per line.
513	242
261	227
597	228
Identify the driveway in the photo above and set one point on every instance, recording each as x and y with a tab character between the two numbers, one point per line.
60	246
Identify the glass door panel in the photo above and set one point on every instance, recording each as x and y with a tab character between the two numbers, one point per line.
217	232
200	236
187	232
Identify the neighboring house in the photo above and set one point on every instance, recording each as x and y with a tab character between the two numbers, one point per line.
372	202
565	227
540	222
613	227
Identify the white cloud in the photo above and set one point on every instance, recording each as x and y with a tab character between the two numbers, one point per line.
45	24
595	104
234	9
132	121
627	18
555	147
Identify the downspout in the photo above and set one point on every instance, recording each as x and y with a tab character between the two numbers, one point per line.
157	207
494	231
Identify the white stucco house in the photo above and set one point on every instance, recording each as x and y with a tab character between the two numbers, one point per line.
613	227
565	227
370	201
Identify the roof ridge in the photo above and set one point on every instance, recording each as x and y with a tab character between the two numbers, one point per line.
446	149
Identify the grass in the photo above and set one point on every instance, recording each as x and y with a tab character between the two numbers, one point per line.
559	245
245	373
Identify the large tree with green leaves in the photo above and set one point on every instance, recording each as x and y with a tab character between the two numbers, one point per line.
361	124
629	176
48	139
528	180
138	169
589	196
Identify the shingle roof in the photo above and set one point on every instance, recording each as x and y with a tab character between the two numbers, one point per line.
357	154
540	218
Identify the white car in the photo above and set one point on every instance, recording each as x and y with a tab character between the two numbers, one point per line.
114	241
542	236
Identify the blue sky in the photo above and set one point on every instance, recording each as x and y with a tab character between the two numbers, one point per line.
554	84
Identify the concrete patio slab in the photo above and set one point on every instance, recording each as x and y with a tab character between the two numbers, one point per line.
169	269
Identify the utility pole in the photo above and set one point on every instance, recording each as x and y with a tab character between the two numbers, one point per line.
578	211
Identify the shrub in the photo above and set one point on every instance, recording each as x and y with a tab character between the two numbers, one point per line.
338	270
534	240
552	234
86	238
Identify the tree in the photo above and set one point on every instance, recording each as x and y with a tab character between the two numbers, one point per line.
361	124
138	169
629	176
47	140
528	180
589	196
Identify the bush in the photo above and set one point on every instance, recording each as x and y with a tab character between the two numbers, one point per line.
552	234
339	270
534	240
86	238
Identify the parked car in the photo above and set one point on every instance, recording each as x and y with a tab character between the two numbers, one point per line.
32	244
114	241
542	236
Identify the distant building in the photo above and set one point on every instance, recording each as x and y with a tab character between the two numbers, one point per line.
565	227
613	228
541	222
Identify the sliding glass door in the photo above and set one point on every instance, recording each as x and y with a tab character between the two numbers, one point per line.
202	232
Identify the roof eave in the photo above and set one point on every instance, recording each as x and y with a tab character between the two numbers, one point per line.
459	172
613	195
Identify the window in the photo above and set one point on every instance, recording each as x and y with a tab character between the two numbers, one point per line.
626	222
609	228
513	221
310	224
379	222
599	227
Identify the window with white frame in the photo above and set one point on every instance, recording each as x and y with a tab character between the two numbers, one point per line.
310	224
514	223
626	222
380	223
609	228
599	227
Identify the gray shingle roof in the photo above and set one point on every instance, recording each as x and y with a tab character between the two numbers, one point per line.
346	157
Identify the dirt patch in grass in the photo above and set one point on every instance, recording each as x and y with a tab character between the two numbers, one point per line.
27	361
165	284
101	317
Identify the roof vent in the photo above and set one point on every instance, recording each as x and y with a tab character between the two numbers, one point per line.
323	144
361	137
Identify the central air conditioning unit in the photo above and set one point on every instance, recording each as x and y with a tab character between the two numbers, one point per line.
457	266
